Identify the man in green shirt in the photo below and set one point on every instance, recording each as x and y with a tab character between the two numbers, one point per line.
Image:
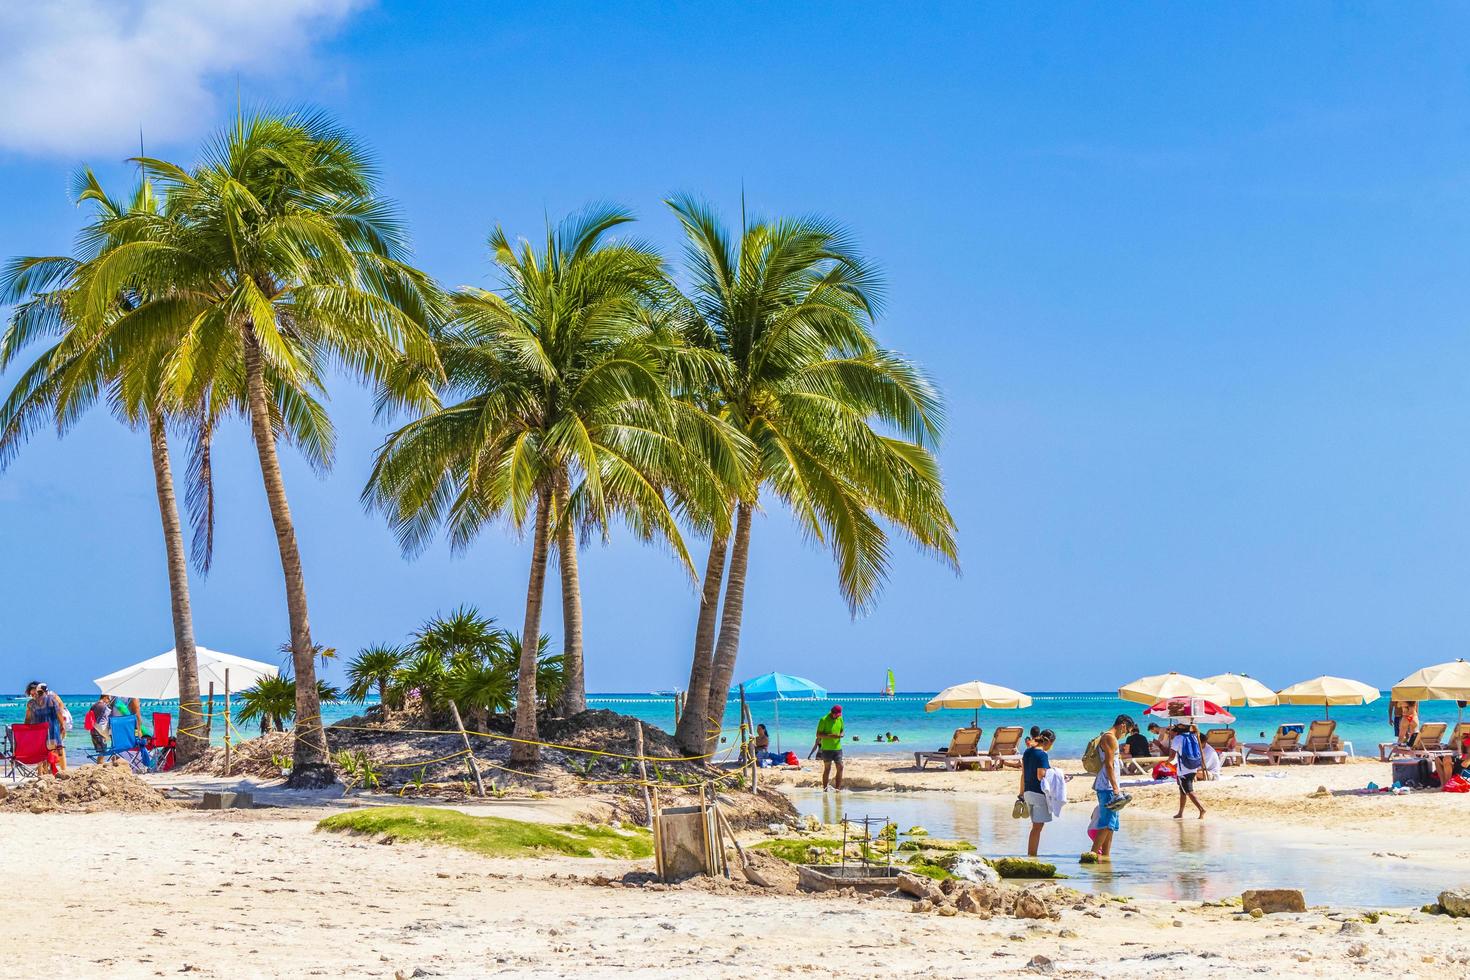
829	744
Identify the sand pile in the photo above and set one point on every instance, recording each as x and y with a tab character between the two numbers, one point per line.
260	757
87	789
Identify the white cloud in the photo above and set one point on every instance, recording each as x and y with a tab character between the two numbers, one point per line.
79	76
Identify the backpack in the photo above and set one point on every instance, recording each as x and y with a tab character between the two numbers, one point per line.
1190	756
1092	759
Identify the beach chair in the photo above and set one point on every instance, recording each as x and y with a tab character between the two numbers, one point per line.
1224	742
26	752
1323	743
1427	742
127	745
1457	740
1286	745
1002	750
964	747
162	743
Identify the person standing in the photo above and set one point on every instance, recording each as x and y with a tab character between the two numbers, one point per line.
829	744
101	728
1035	763
1188	757
45	708
1110	795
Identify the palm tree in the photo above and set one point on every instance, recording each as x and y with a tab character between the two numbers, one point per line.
286	263
842	429
87	362
274	701
374	668
562	417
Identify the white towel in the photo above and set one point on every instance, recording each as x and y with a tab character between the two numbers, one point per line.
1054	785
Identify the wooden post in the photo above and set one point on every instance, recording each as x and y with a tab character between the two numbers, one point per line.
643	771
470	752
227	721
658	847
209	717
745	726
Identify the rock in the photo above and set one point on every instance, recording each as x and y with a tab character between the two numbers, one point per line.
948	910
1040	964
1023	868
919	887
1433	908
1351	929
979	899
1358	951
1257	913
1271	900
1028	906
1455	902
1178	924
949	886
1067	934
922	905
917	832
970	867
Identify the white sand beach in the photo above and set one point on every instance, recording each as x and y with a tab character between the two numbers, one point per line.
262	893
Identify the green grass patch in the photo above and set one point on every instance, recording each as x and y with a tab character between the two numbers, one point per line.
795	849
939	844
928	870
492	836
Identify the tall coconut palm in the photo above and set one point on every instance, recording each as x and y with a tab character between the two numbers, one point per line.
842	428
286	263
556	406
86	362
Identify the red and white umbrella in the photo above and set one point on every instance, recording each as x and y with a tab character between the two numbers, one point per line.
1190	711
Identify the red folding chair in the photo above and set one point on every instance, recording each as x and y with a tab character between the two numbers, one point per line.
162	741
26	751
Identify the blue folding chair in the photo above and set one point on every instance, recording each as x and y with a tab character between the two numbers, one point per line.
126	744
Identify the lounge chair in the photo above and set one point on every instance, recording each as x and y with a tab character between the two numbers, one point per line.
1139	765
1427	743
1003	743
127	745
26	752
1284	746
1323	743
1224	742
964	747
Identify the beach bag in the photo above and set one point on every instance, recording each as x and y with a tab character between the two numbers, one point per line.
1190	756
1456	784
1164	771
792	760
1092	759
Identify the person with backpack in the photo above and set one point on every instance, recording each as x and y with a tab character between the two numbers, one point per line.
1102	757
1188	757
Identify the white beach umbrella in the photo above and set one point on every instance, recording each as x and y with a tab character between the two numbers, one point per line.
977	695
1328	691
1161	687
157	678
1441	682
1244	691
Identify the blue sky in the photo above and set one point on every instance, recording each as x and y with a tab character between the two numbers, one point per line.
1193	281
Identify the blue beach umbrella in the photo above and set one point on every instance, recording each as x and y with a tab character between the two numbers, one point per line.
782	687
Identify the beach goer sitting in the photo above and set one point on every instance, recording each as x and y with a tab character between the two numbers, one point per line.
1188	757
45	708
763	754
1035	763
1136	746
1158	739
829	744
1110	795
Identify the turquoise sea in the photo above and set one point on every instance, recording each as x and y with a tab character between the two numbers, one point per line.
1074	716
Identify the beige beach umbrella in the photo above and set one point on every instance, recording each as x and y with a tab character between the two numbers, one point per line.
1161	687
1243	690
977	695
1328	691
1441	682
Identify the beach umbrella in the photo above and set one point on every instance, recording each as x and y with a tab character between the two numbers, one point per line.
157	678
782	687
1191	711
1243	690
977	695
1328	691
1441	682
1161	687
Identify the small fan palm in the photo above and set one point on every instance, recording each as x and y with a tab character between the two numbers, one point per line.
374	667
272	700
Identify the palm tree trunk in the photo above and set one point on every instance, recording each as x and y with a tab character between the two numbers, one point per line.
191	737
526	752
729	643
691	733
574	691
309	755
